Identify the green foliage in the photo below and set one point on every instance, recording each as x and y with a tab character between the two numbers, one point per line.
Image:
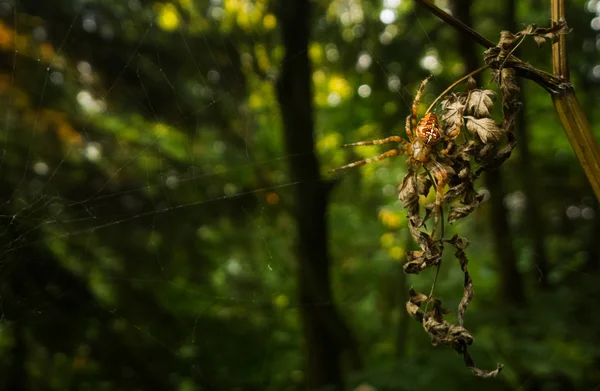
146	214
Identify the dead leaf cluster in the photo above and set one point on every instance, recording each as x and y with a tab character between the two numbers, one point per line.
483	145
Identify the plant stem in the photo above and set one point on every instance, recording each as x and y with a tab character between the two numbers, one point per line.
476	71
457	24
560	65
569	111
439	265
580	136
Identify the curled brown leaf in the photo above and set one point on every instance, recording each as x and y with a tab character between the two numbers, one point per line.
418	261
543	34
460	211
408	193
461	244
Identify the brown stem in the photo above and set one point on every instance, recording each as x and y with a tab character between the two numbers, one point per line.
569	111
580	136
457	24
560	65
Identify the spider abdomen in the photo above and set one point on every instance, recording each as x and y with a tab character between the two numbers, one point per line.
428	129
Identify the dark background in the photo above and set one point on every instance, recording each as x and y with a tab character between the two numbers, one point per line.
167	220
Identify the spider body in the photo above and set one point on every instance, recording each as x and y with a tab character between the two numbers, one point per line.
421	148
428	130
428	134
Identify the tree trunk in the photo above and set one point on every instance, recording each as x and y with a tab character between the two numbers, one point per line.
325	333
511	287
533	219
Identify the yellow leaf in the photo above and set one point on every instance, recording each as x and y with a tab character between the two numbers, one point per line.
269	21
341	86
168	17
390	219
396	253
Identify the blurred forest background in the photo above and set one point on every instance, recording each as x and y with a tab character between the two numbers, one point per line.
160	227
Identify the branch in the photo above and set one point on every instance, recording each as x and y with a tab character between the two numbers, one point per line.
457	24
554	85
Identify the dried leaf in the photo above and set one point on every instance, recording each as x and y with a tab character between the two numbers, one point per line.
507	40
471	84
540	41
479	103
423	183
543	34
499	157
454	192
539	34
422	238
451	109
458	212
461	244
466	151
408	194
442	332
486	129
413	305
440	171
484	153
487	374
419	261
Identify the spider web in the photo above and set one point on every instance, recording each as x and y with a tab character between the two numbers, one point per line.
92	195
105	192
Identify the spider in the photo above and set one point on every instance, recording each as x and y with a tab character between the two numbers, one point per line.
423	138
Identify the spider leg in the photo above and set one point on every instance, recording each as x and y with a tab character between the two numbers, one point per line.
392	139
415	106
390	153
441	180
446	150
409	129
